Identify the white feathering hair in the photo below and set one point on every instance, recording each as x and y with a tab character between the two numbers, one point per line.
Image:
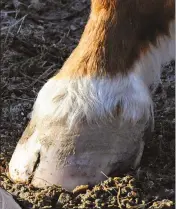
95	99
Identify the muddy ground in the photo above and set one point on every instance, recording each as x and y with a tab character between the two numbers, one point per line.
36	38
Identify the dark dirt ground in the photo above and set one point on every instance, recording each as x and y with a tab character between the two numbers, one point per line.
36	38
